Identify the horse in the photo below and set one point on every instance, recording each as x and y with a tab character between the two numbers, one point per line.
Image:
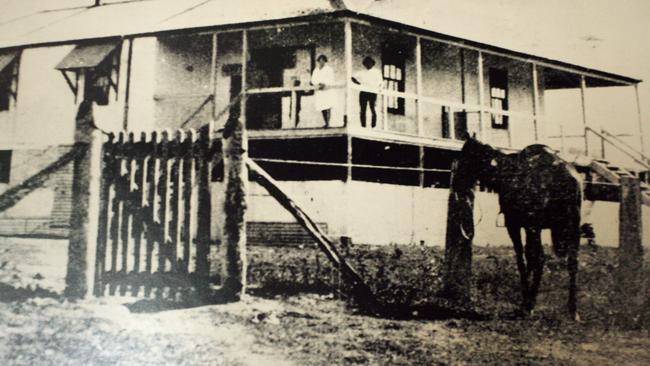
537	190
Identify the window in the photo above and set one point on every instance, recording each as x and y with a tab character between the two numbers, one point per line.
8	79
499	96
99	65
393	66
99	80
5	165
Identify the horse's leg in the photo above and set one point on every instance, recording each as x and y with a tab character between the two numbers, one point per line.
535	262
572	264
515	235
568	236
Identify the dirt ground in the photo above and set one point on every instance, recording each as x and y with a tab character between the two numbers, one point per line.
39	328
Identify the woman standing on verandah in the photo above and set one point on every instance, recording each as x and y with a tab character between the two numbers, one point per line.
323	78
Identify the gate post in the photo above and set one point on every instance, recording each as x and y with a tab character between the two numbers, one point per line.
235	146
84	219
630	249
457	275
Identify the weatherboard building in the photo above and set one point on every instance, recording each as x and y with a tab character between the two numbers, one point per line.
187	63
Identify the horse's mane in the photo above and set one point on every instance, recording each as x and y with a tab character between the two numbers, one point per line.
478	162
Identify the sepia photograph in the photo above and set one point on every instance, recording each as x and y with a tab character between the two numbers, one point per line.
324	182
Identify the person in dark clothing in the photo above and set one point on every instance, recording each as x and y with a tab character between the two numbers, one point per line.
370	79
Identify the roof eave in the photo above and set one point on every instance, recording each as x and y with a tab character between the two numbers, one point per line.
342	13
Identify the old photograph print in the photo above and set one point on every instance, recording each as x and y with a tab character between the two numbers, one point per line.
324	182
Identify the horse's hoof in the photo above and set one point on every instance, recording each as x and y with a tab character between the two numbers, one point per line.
576	318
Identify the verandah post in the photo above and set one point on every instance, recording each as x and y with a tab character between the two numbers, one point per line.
84	219
639	118
419	86
536	111
347	31
585	124
481	97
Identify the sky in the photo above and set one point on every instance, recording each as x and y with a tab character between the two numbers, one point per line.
606	34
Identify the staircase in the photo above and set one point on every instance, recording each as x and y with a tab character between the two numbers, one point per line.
608	173
611	173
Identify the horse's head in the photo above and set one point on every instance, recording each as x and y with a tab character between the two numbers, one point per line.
477	161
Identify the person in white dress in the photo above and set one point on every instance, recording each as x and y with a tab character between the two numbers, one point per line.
323	78
372	80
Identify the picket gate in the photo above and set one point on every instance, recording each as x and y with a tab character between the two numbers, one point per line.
155	213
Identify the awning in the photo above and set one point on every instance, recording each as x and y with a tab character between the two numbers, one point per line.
6	58
86	56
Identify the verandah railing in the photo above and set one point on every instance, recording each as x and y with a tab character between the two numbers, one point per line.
451	119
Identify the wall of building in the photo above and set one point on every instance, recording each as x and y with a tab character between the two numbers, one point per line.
442	69
45	110
182	78
307	42
45	107
39	130
46	210
182	71
142	84
520	99
381	214
451	77
369	41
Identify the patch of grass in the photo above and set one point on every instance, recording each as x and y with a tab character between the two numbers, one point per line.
409	278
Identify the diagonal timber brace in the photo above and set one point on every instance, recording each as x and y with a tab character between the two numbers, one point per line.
360	291
16	193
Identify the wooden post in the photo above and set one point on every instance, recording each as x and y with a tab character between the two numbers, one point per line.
204	216
213	75
535	102
234	235
639	117
127	88
234	228
418	80
452	124
583	89
630	249
234	149
347	29
481	92
458	243
84	220
384	112
244	81
294	109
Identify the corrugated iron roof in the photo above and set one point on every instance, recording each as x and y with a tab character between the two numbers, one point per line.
151	16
